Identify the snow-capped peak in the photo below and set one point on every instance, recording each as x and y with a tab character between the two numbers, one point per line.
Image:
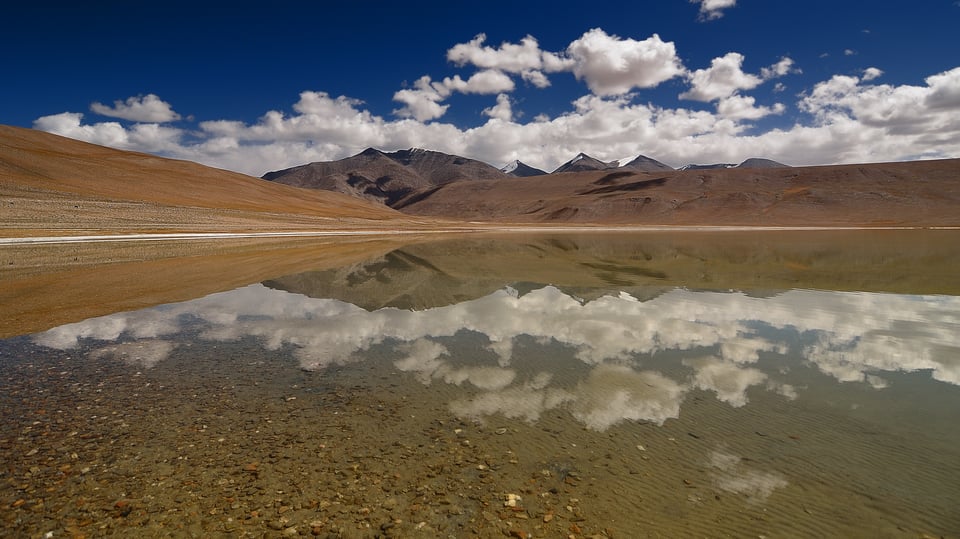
625	161
510	167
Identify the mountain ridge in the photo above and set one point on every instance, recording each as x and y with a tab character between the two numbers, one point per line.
917	193
55	185
385	177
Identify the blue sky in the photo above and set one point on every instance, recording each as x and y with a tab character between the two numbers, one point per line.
259	88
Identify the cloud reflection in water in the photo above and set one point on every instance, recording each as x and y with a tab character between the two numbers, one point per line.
854	337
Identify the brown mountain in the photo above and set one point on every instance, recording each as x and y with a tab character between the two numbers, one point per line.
53	183
582	162
385	177
519	169
759	162
644	164
918	193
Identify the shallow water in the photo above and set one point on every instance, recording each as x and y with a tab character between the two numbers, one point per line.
631	387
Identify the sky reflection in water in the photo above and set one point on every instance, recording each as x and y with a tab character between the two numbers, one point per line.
717	338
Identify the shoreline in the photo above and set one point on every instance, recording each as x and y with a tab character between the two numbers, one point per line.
469	228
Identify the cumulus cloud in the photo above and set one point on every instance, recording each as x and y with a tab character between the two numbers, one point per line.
779	69
611	65
847	126
871	73
843	119
422	102
738	107
503	110
510	57
713	9
141	108
488	81
944	91
890	111
725	77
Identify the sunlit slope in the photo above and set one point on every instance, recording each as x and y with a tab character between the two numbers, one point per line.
61	182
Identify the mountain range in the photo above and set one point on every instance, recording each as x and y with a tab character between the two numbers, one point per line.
877	194
391	178
55	185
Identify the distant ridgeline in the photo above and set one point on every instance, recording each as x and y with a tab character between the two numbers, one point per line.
391	178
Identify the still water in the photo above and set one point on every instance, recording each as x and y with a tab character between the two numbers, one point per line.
585	386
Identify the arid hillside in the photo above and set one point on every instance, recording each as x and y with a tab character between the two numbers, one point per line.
917	193
54	183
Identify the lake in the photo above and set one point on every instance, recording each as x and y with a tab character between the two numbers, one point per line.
774	384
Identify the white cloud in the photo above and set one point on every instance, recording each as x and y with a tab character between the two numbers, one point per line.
145	108
725	77
152	138
897	111
422	102
852	122
488	81
779	69
536	78
713	9
509	57
503	110
738	107
611	65
944	94
525	59
871	73
842	119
